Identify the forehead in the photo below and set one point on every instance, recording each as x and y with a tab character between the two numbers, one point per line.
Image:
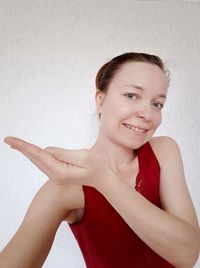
141	73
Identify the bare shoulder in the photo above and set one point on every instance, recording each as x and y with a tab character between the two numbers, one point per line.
164	147
74	196
68	196
71	195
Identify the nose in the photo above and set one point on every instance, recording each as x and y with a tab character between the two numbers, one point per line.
144	114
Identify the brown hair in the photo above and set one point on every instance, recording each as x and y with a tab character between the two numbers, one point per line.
109	69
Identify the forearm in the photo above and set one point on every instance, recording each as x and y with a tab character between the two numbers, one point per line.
170	237
33	240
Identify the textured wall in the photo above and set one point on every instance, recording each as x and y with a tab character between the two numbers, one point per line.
50	51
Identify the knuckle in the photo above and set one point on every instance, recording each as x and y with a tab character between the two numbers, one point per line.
36	154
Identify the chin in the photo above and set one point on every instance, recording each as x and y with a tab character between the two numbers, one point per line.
133	145
136	143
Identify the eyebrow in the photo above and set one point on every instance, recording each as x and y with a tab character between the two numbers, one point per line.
142	89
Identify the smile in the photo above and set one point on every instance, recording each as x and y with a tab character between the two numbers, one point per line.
136	129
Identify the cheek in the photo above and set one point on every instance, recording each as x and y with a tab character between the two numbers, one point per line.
108	115
158	119
114	108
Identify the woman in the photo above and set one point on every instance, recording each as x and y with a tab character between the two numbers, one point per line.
126	198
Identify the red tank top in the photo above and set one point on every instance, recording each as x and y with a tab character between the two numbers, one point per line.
105	239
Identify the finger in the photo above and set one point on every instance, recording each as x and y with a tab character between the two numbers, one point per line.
73	157
44	160
13	141
28	149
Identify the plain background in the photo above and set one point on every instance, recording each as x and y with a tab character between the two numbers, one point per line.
50	51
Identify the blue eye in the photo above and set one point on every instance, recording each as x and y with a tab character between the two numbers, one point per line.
131	96
158	105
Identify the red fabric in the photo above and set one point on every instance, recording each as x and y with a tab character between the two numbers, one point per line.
105	239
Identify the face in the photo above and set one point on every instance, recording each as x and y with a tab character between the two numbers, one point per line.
131	109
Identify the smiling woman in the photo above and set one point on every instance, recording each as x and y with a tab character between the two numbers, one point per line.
125	198
138	85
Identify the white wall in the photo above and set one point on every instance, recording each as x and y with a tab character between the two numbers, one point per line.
50	52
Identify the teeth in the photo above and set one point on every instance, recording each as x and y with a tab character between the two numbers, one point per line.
141	130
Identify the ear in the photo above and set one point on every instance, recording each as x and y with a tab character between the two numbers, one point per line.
99	97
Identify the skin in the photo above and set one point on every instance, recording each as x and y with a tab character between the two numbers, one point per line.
111	167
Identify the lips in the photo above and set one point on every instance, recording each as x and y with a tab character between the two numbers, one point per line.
135	128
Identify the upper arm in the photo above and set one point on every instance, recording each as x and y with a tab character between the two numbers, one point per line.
174	194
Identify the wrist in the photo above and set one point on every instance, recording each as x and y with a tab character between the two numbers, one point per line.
107	182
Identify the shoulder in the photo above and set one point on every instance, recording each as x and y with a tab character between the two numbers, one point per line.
164	148
74	201
74	196
162	140
69	196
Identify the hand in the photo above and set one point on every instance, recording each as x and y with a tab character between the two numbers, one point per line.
82	167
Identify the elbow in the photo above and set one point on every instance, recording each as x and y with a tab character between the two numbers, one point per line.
196	251
196	248
186	262
190	254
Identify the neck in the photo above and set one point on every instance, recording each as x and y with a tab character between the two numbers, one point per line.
116	156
